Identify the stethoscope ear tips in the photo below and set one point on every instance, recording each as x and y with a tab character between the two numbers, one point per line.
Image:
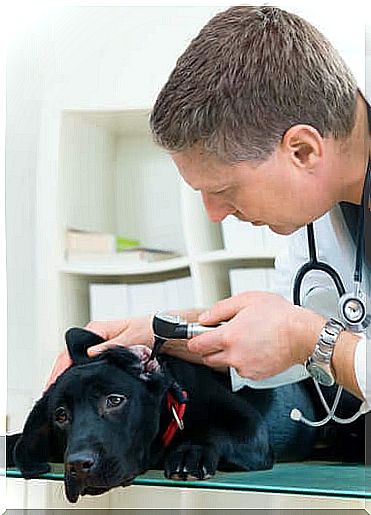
296	415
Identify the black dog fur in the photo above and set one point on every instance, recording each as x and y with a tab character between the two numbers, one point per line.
105	417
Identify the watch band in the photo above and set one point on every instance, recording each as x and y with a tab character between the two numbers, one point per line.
318	364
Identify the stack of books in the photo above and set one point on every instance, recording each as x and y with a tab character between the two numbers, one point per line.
87	246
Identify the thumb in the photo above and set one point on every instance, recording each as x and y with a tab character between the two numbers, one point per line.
222	311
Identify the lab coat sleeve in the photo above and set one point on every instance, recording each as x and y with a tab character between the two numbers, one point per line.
286	267
361	358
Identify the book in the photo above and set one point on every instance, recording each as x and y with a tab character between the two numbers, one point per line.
135	256
97	242
87	246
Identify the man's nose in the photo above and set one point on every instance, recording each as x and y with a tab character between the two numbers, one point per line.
217	209
81	464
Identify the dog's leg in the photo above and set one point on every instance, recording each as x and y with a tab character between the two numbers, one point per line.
191	461
246	451
198	457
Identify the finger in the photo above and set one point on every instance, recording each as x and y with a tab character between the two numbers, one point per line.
97	349
221	311
217	360
106	329
62	362
207	343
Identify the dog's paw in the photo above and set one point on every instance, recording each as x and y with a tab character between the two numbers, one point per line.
190	462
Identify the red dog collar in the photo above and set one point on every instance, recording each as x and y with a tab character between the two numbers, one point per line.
177	410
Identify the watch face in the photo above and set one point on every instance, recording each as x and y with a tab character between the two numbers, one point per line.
320	374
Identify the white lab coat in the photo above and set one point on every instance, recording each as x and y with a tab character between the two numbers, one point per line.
335	247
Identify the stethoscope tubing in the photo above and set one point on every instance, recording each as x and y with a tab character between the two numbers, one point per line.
314	265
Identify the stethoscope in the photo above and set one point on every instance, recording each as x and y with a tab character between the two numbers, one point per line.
351	306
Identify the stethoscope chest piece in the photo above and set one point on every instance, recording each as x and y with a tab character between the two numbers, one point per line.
352	311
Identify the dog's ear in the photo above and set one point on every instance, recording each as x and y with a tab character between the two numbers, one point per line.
136	360
10	441
78	341
143	353
31	450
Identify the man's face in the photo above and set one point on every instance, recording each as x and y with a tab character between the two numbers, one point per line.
274	193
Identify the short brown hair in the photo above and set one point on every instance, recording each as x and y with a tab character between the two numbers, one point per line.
250	74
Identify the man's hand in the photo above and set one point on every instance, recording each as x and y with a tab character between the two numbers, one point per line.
116	332
264	336
132	331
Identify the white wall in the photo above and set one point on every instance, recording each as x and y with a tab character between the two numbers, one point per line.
25	92
97	56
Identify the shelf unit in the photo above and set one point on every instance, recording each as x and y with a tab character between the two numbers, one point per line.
112	177
101	171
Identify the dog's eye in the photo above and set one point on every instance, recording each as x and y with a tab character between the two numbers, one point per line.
61	415
113	401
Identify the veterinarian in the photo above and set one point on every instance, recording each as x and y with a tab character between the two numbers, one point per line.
263	117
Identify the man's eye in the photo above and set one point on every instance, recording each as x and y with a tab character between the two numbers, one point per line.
61	416
114	400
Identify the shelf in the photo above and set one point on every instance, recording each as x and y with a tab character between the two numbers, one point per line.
101	268
213	257
252	260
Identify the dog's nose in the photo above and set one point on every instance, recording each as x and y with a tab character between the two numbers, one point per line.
80	464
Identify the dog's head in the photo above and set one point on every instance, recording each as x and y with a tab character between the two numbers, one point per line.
107	412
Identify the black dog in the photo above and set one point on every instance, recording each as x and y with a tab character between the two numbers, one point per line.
112	417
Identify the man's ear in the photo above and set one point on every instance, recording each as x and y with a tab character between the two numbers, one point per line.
31	450
304	144
78	341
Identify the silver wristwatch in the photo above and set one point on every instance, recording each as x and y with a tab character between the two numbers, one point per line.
318	364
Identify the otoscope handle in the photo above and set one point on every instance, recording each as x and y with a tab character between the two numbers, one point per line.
170	327
173	327
195	329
